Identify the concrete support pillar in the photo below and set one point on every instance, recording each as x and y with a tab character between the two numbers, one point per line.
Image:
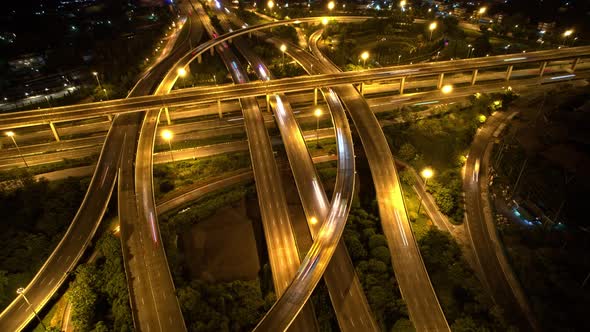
402	83
250	35
219	109
54	131
509	72
167	115
268	103
199	58
441	77
542	69
212	51
110	117
362	88
315	97
474	77
575	63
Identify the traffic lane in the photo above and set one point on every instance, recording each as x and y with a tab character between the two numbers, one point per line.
269	188
316	204
162	311
410	273
66	254
167	309
377	104
423	306
379	73
479	233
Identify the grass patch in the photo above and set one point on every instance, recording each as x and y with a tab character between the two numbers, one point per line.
17	173
170	176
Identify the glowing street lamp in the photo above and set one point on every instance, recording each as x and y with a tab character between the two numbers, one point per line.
11	135
470	50
182	73
446	89
97	79
21	291
426	173
402	5
431	27
167	135
482	10
283	49
318	114
270	4
331	5
313	220
325	21
365	56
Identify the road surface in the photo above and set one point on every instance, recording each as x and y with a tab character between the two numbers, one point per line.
411	275
497	274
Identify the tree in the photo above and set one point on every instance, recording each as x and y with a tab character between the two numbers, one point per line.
83	297
377	240
407	152
466	324
381	253
355	247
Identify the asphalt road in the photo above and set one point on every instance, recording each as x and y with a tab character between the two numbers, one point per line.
411	275
152	294
201	94
41	153
497	274
80	232
349	301
280	239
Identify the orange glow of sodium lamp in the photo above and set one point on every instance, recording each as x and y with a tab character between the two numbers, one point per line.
447	89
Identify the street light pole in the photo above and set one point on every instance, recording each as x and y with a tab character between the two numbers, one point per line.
365	56
283	49
167	135
426	174
431	27
97	79
317	113
21	291
11	135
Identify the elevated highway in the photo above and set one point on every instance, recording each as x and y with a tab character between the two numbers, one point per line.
66	255
200	95
411	275
349	302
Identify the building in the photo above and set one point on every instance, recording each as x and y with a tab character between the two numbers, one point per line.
548	27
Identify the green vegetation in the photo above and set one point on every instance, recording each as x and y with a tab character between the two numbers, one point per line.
420	222
273	57
368	250
228	306
466	305
389	42
35	217
213	306
99	295
550	258
23	173
168	177
441	142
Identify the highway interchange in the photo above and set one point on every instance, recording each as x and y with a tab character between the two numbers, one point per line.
131	138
